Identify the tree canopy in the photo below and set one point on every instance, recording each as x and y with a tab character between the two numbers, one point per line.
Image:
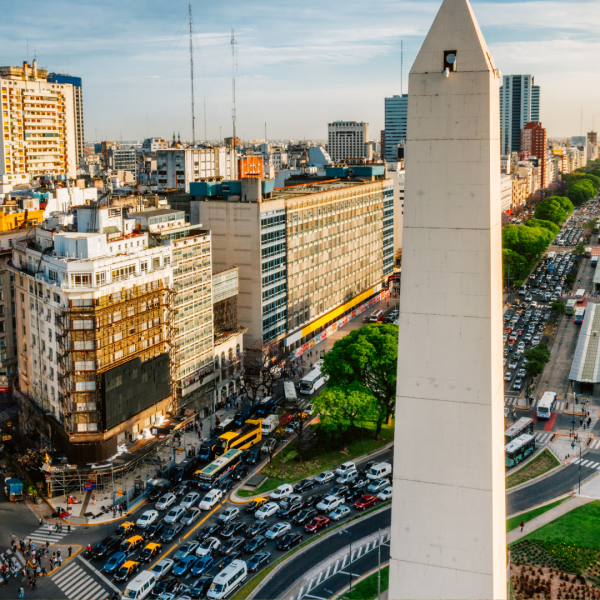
529	242
553	227
550	210
581	191
558	308
536	359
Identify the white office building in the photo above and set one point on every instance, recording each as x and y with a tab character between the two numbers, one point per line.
348	139
519	105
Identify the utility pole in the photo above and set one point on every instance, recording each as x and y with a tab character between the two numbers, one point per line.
205	138
379	566
192	78
266	133
233	68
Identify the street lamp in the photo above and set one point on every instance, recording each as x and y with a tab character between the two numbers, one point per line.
573	448
350	562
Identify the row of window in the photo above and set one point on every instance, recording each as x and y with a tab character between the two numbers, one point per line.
274	291
272	265
273	250
274	306
274	277
272	221
273	236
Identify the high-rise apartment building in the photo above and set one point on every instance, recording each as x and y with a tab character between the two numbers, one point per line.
39	129
306	255
592	137
347	140
78	108
579	140
395	126
178	167
534	140
519	105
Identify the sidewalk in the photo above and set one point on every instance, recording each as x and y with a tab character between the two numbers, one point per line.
547	517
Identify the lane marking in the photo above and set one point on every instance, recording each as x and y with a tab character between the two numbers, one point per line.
319	579
79	579
328	570
337	564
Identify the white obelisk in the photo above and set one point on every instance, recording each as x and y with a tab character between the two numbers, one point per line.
448	517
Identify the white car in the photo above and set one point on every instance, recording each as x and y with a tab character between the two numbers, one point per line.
283	491
385	494
211	500
175	514
535	341
339	513
229	515
208	546
309	409
345	468
324	477
147	519
329	503
266	510
160	569
378	485
190	500
277	530
166	501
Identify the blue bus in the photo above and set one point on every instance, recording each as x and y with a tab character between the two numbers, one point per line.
219	470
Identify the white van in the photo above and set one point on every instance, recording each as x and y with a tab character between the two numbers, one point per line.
228	580
269	425
140	587
380	470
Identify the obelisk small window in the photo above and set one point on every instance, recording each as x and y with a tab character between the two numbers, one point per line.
450	60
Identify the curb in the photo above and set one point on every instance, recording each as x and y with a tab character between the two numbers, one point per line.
361	578
522	512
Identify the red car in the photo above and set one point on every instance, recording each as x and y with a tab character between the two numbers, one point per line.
286	419
519	332
365	502
511	341
508	330
316	524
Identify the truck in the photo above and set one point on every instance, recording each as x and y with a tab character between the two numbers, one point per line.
13	488
594	262
551	268
551	256
588	251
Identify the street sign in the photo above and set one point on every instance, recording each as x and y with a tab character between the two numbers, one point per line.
9	424
6	438
180	450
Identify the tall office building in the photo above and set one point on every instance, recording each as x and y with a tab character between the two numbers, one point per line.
592	137
78	105
519	105
395	126
348	139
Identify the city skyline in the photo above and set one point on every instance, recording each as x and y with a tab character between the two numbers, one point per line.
130	73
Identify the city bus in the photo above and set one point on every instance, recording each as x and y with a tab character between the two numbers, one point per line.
580	295
523	425
570	308
579	314
313	381
241	439
289	391
218	470
518	449
546	405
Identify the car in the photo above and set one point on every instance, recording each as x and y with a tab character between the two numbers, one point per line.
304	516
229	515
288	509
254	544
126	570
317	524
345	468
151	551
239	473
324	477
283	491
377	485
286	419
255	504
365	502
313	500
227	560
255	528
182	488
338	490
519	332
257	561
535	341
202	565
125	528
106	546
289	540
201	587
184	566
208	546
131	544
166	501
231	529
529	298
386	494
277	530
146	519
517	356
304	485
154	530
508	329
267	510
513	365
157	491
329	503
174	515
268	446
309	409
521	373
207	532
517	384
232	545
167	588
191	516
190	500
211	499
114	562
185	550
170	532
252	457
339	513
511	342
527	337
225	485
351	496
162	567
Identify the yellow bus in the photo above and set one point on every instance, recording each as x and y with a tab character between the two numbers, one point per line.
242	439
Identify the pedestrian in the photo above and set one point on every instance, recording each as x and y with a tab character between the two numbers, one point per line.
24	573
581	421
49	528
70	550
522	525
21	592
60	561
69	528
40	521
94	499
34	585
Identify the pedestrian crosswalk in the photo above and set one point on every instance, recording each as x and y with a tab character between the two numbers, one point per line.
559	406
43	535
542	437
75	582
590	464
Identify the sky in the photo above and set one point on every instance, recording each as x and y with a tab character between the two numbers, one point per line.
300	65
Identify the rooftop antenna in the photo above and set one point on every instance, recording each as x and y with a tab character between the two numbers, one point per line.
266	134
401	64
581	126
192	78
233	68
205	117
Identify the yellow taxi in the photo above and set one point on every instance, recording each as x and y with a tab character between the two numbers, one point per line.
255	504
131	544
150	551
126	570
125	528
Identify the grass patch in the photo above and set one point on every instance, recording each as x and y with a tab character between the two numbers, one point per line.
541	464
367	588
514	522
269	484
296	469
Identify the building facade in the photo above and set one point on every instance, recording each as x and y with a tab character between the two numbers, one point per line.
251	166
123	159
535	141
395	126
519	105
347	139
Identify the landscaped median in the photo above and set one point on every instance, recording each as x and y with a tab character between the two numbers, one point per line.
514	522
542	463
246	591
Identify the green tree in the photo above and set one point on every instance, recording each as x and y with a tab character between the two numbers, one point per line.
594	179
536	360
529	242
550	210
514	266
553	227
566	204
581	191
340	407
367	357
579	250
558	308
